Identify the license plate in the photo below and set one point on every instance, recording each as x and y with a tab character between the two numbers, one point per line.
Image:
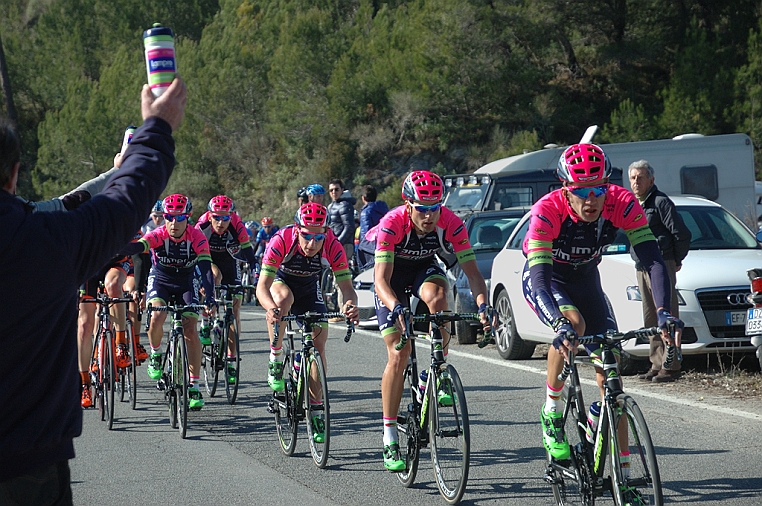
735	318
754	321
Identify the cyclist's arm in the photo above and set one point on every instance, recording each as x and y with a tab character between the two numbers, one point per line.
350	299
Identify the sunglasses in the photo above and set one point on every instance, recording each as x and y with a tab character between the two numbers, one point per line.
584	192
220	217
428	209
173	217
312	237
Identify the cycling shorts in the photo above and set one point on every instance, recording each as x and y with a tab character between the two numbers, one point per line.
89	289
306	291
162	288
401	279
584	295
228	266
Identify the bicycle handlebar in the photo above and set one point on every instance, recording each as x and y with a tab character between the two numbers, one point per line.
609	338
174	308
315	317
439	318
108	300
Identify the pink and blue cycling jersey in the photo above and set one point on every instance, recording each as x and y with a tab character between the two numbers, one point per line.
176	256
284	255
396	240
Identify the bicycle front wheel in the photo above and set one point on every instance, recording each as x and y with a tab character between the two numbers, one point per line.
318	411
639	483
408	429
209	357
232	364
132	373
181	383
109	373
449	432
168	378
284	407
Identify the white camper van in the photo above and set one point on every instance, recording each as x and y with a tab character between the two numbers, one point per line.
717	167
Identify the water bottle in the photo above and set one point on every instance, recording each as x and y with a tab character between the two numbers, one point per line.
159	43
422	386
592	420
128	133
295	368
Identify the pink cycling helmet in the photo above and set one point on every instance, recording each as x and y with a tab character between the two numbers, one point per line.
423	186
177	204
311	214
220	204
583	163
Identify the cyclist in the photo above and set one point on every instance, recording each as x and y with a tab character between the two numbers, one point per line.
407	238
135	285
568	230
227	236
113	277
289	281
177	249
264	234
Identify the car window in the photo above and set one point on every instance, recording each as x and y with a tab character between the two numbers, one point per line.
490	233
716	228
466	197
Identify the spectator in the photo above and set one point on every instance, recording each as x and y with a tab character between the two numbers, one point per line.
674	240
39	376
341	215
372	212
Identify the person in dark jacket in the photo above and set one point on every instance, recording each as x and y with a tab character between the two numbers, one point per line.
39	382
370	215
341	215
674	240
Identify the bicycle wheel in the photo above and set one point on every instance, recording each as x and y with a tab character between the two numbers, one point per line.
317	413
182	381
408	429
450	436
209	357
570	480
232	364
109	373
642	484
132	373
100	376
168	379
284	407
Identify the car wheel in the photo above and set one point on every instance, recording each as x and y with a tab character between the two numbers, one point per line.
630	365
510	346
465	332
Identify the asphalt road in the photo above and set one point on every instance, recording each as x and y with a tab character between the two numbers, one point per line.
708	448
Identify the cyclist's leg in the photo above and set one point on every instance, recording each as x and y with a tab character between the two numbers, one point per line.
283	298
193	345
157	295
392	383
311	299
431	286
85	327
114	283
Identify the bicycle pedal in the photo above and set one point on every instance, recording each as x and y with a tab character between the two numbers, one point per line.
160	385
550	477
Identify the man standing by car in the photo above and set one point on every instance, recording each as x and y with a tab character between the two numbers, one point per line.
341	220
674	240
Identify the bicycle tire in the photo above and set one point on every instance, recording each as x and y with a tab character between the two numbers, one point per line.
132	376
450	435
286	422
109	376
408	429
100	386
169	381
209	356
644	481
231	388
182	381
575	491
121	373
319	450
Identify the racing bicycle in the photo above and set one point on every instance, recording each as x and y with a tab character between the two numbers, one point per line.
594	468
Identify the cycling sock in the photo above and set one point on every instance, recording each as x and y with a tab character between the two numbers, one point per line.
156	350
624	463
121	337
194	380
390	430
275	354
85	376
553	399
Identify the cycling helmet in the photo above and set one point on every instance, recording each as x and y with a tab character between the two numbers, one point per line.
158	207
315	189
220	204
311	214
301	192
267	221
177	204
583	163
423	186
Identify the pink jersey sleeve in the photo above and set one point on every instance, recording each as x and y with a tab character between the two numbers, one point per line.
199	243
334	252
455	231
392	229
277	249
239	229
545	222
155	237
202	219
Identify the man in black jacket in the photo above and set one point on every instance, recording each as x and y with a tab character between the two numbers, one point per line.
674	240
46	256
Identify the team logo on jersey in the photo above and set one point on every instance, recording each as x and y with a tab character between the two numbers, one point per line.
463	241
638	217
458	230
540	231
384	243
627	209
543	218
388	231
